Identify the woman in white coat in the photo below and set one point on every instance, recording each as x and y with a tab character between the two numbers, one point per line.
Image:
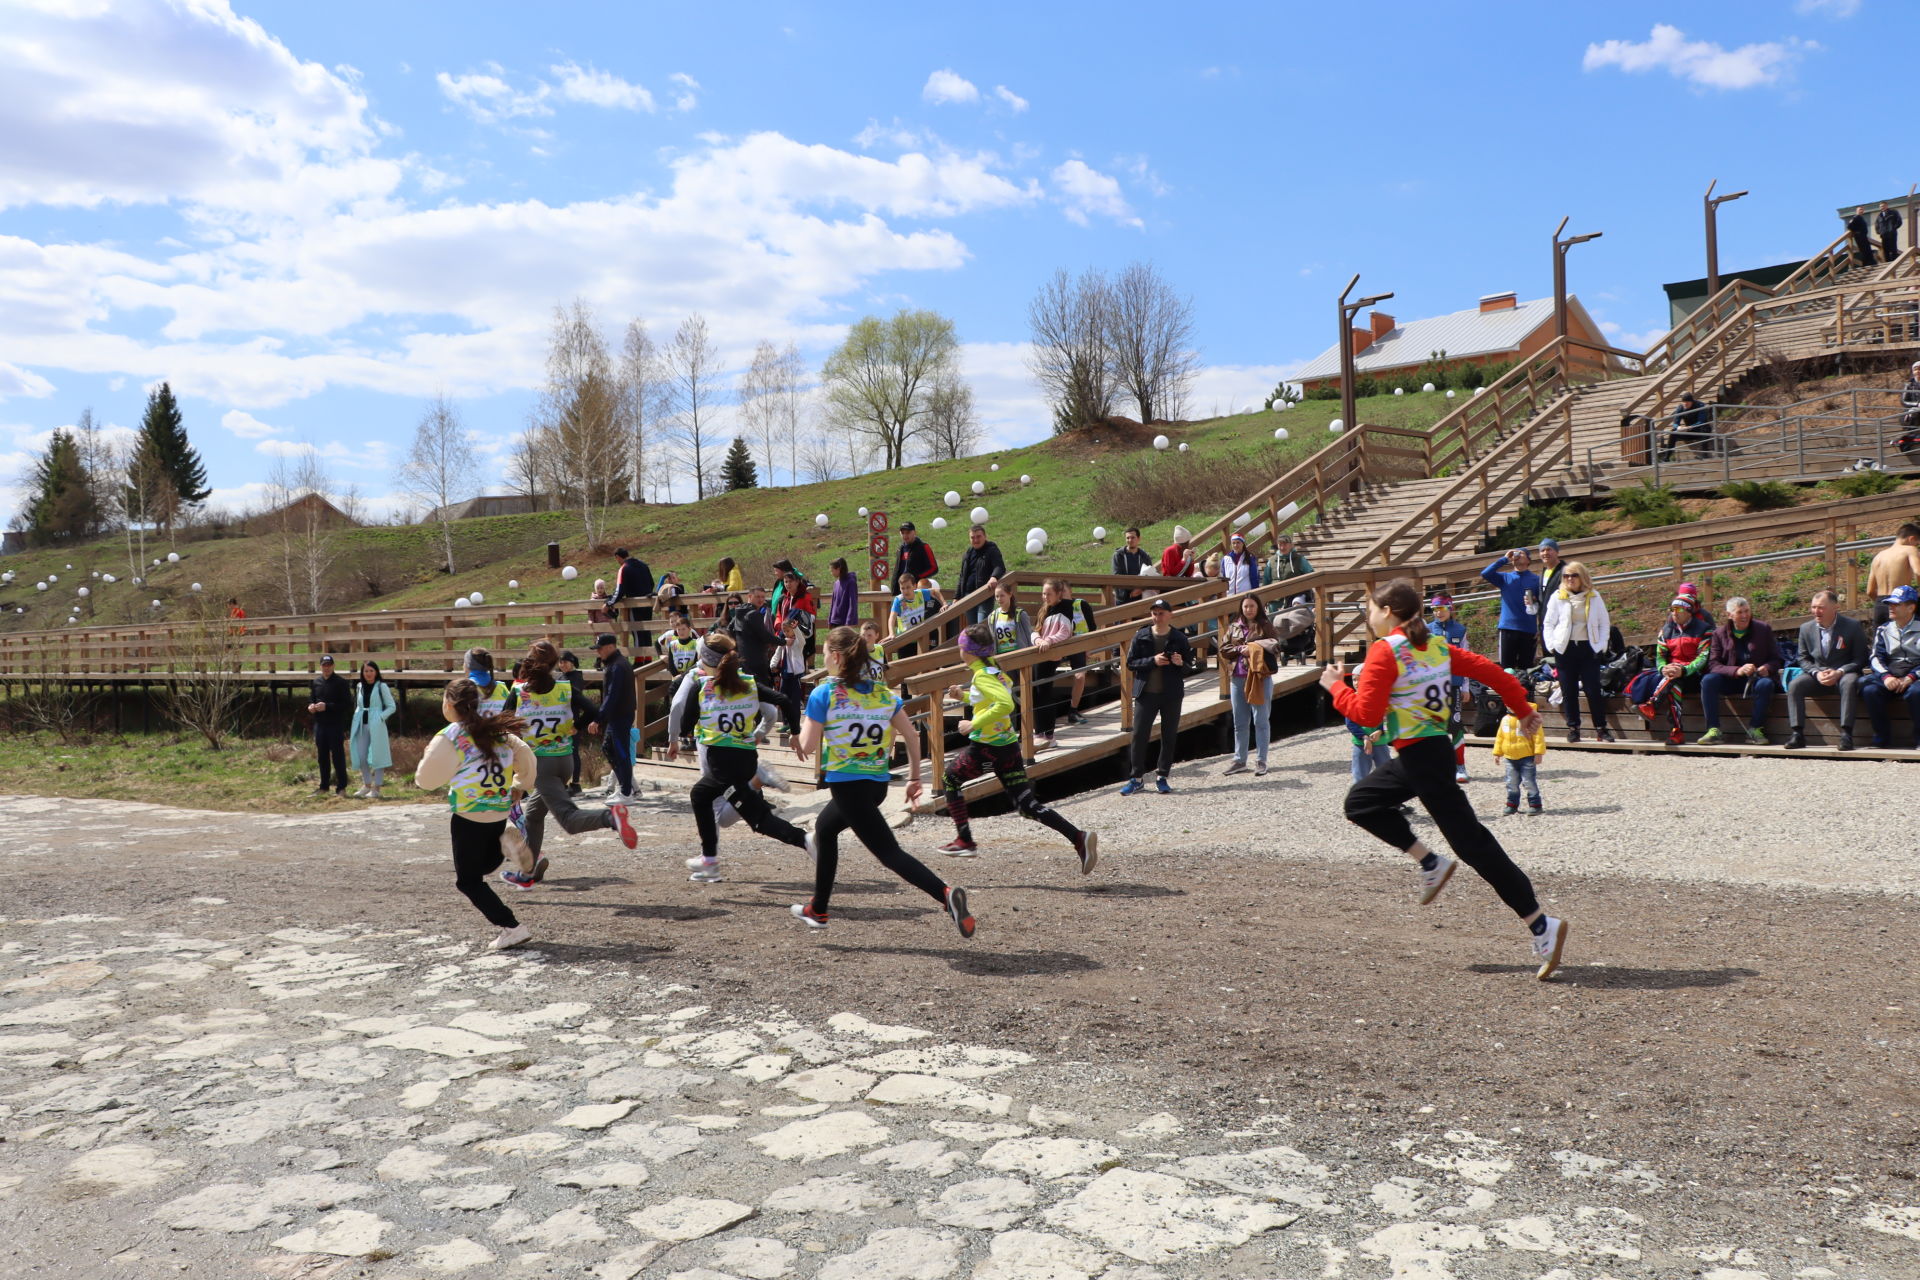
1576	630
373	706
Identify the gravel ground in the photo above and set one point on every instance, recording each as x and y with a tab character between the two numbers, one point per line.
1242	1002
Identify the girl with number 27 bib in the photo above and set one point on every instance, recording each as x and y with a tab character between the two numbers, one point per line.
1403	687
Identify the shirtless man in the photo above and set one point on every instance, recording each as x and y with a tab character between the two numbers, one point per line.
1892	568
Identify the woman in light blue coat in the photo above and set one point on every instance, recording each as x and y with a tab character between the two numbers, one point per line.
373	706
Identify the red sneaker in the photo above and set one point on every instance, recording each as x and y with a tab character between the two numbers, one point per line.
960	848
1646	709
628	836
1676	737
804	912
957	908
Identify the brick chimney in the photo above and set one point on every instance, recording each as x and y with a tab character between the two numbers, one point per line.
1362	339
1499	302
1382	324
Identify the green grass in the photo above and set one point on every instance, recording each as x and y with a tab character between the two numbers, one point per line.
398	567
249	774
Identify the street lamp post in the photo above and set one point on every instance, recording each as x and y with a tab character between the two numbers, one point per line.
1347	311
1713	203
1560	248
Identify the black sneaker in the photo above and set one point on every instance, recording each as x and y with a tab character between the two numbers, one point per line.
1087	845
1573	735
1846	739
957	908
1796	740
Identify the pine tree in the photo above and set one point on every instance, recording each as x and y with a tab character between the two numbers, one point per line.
61	506
163	444
738	471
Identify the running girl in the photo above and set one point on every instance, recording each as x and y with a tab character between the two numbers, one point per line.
993	744
552	709
724	711
851	722
493	693
482	762
1403	688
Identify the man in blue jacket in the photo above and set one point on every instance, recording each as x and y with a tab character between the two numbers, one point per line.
1519	586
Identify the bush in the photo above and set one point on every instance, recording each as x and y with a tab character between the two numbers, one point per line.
1864	484
1469	376
1651	505
1547	520
1761	495
1328	391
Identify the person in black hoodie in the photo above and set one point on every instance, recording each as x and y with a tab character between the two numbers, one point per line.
613	722
331	706
753	635
1862	241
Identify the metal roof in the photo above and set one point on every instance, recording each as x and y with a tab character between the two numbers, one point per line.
1472	332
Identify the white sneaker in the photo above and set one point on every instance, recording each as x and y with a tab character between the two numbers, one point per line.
361	794
1460	775
1547	946
769	778
510	938
1432	882
704	871
813	850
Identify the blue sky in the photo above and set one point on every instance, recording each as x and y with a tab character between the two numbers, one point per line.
312	217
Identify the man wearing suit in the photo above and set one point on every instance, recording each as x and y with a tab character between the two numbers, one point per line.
1833	652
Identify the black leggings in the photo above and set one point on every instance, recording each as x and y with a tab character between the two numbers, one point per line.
1580	669
857	805
476	855
1049	697
977	758
730	772
1424	768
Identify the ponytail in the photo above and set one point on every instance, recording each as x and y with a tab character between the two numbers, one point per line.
1402	599
854	651
537	667
726	672
487	732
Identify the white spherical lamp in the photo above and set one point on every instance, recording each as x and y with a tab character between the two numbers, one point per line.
1161	442
53	577
1099	533
138	581
1035	546
1478	390
1036	533
979	515
952	498
83	593
1026	479
863	511
1399	391
1449	393
821	520
569	573
462	603
1426	386
195	587
476	598
173	557
106	577
1336	426
979	487
154	605
513	584
1183	446
994	467
1280	433
939	522
39	586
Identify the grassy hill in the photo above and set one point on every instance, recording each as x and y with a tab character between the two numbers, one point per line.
399	567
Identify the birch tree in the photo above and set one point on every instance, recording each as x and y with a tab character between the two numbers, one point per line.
880	380
641	405
757	408
440	468
577	436
692	382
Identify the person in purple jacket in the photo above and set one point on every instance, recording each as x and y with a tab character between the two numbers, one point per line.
843	610
1746	660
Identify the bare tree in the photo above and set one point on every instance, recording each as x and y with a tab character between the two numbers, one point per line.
305	534
641	404
880	380
1070	355
757	422
578	438
823	458
786	383
440	469
203	673
692	386
1150	334
952	430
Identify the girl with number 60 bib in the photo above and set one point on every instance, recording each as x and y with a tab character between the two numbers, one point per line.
481	761
726	711
1403	688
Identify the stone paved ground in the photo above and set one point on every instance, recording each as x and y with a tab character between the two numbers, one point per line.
247	1045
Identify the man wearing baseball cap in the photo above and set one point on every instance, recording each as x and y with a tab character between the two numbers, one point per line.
1159	658
330	703
915	556
614	720
1895	670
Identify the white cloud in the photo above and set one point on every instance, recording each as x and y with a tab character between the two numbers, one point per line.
1830	8
246	426
899	135
1086	192
1699	62
688	96
490	99
946	86
371	456
1143	174
601	88
1014	101
150	102
15	381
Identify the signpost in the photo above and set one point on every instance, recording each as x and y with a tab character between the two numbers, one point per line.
879	550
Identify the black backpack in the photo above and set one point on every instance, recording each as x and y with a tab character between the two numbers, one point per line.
1616	674
1489	709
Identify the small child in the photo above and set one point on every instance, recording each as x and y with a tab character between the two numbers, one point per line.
1369	750
1522	755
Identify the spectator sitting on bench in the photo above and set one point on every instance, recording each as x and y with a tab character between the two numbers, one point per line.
1833	651
1692	425
1745	660
1682	650
1896	664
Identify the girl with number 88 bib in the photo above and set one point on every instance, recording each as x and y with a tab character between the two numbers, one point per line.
1403	688
481	761
724	711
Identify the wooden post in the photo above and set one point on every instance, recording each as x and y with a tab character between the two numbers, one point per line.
937	738
1126	695
1026	720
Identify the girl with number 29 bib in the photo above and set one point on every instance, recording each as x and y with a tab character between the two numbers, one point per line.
1403	687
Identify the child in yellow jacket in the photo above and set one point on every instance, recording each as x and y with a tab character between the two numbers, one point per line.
1521	755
